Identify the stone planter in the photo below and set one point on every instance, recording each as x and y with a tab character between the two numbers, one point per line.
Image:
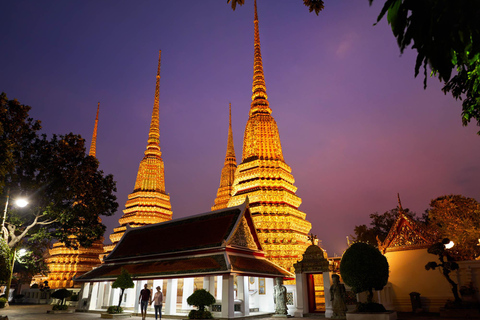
389	315
61	311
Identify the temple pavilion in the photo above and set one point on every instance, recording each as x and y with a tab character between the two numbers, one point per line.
219	251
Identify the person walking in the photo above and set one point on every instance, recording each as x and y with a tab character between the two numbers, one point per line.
144	299
157	303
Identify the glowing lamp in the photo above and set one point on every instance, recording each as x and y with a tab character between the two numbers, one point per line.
449	245
21	202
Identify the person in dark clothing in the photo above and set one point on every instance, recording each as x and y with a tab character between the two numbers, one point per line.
144	300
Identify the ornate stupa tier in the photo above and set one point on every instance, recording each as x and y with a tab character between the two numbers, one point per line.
224	192
148	203
66	263
265	178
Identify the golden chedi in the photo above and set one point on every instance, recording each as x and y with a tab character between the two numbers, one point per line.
148	203
66	263
224	192
265	178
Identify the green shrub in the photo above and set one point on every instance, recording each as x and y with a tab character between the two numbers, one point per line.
364	268
3	301
60	307
370	307
199	314
114	309
61	294
200	299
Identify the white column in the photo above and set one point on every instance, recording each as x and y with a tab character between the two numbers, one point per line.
171	298
138	288
328	298
206	283
93	296
186	292
299	302
211	287
219	288
243	294
227	296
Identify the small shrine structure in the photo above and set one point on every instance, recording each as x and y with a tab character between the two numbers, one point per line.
313	282
218	251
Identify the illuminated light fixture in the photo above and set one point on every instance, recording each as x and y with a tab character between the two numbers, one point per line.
21	202
449	245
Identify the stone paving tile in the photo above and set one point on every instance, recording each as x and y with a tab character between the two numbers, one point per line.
39	312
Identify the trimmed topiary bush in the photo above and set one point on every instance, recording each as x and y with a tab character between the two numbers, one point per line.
123	281
364	268
61	294
114	309
200	299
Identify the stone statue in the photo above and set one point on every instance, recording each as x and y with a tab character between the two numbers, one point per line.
280	297
337	293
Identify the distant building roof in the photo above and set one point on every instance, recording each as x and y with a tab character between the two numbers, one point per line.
213	243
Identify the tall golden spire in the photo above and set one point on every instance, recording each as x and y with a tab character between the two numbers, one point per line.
259	89
224	192
93	144
266	179
148	203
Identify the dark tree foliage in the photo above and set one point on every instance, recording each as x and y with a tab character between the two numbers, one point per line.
364	268
123	281
380	226
61	294
4	261
201	298
458	218
66	190
313	5
447	264
446	36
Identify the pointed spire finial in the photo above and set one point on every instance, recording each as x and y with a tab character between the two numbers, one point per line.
259	89
399	203
230	148
154	133
93	145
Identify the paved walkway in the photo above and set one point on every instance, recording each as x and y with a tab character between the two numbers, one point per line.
39	312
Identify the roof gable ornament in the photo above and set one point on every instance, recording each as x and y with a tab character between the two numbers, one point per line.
406	234
243	236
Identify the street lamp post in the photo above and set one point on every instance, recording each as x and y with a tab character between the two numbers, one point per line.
19	203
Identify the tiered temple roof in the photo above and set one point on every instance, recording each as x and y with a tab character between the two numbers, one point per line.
66	263
214	243
148	203
266	179
407	234
224	192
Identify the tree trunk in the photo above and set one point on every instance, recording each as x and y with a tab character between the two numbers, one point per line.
453	284
370	295
120	299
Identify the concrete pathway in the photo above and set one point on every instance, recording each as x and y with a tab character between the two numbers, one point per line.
39	312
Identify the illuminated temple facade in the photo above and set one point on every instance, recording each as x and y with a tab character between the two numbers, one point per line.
228	172
66	263
148	203
265	178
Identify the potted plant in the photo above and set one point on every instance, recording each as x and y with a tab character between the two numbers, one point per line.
123	281
364	268
200	299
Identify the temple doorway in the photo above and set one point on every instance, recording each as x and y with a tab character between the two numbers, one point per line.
316	292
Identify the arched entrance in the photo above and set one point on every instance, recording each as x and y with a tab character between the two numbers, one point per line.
313	283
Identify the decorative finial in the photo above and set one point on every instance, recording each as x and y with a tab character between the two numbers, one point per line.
230	148
93	145
259	89
399	203
311	237
154	133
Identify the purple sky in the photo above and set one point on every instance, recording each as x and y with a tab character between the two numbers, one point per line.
356	126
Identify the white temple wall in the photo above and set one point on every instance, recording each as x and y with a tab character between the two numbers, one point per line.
265	301
253	293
